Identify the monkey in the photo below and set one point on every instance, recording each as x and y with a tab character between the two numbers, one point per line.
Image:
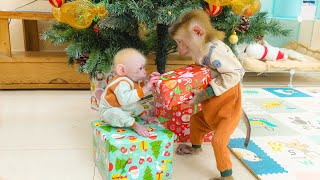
221	100
119	103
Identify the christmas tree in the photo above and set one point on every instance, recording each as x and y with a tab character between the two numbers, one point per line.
155	147
153	18
93	48
120	164
147	174
248	23
143	24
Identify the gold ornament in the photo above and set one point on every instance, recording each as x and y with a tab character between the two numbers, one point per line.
233	39
80	13
253	9
238	6
170	13
143	31
219	2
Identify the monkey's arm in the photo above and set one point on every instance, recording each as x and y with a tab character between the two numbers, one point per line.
229	70
126	96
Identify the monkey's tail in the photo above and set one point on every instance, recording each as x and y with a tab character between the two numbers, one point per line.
245	119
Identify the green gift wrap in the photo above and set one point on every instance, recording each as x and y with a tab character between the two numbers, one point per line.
122	154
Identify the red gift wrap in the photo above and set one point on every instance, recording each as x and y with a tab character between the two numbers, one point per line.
175	87
177	119
173	91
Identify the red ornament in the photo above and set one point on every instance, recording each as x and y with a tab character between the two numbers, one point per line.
213	10
96	29
56	3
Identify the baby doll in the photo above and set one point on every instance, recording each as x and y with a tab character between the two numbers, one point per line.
118	105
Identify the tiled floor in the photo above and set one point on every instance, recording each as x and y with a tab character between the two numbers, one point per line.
46	135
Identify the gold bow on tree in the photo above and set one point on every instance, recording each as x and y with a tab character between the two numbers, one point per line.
245	8
80	13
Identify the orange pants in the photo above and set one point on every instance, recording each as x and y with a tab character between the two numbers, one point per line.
220	114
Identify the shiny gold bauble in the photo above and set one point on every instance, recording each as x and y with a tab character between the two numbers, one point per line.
219	2
143	31
238	6
80	13
233	39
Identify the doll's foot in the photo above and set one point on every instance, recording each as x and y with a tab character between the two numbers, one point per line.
223	178
186	149
142	131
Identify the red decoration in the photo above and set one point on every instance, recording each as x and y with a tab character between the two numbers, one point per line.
96	29
212	9
56	3
110	166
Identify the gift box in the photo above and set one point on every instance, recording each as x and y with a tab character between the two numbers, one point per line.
98	85
175	87
177	119
148	105
120	153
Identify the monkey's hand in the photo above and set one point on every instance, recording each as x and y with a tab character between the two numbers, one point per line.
200	96
154	74
150	84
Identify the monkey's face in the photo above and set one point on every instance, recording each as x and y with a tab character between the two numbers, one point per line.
189	42
135	69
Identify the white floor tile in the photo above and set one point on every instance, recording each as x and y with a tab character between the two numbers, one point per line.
46	164
36	121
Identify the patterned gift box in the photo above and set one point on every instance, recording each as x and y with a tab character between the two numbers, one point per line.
175	87
120	153
148	105
98	85
177	119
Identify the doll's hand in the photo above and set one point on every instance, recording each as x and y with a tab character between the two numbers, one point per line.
198	97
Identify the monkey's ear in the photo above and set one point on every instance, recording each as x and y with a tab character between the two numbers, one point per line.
120	70
197	29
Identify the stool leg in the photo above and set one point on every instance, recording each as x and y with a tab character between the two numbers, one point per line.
5	46
292	71
31	35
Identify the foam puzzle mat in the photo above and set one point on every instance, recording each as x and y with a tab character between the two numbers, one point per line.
285	136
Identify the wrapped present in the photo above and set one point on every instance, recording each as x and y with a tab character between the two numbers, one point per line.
98	85
120	153
148	105
177	119
175	87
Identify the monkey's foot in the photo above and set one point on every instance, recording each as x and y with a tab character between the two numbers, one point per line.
223	178
186	149
142	131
